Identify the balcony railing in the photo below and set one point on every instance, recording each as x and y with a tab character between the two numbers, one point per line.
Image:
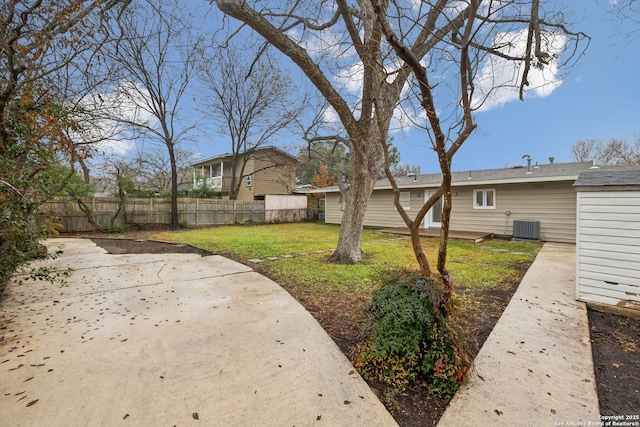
214	182
218	183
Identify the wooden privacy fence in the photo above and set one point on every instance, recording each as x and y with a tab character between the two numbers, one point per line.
191	212
285	208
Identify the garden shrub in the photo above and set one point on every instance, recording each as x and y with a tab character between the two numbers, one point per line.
409	341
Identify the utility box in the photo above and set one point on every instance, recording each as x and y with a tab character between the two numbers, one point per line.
526	229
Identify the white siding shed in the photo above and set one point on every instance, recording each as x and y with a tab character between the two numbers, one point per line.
608	237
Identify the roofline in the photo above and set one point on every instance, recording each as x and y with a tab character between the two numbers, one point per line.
222	156
467	183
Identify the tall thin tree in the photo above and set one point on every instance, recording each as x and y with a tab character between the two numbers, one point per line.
155	58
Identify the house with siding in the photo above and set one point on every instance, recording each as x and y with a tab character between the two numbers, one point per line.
487	201
267	171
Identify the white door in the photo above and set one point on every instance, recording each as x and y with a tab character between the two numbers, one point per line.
434	216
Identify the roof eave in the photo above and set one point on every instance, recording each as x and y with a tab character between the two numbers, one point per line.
470	182
230	155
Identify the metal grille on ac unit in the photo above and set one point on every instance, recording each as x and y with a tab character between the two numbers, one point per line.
526	229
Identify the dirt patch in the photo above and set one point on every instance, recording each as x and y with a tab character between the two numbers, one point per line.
141	246
615	339
615	344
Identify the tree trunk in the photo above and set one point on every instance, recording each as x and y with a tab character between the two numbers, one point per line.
416	244
89	214
122	200
366	167
238	162
446	282
348	248
174	223
444	224
85	171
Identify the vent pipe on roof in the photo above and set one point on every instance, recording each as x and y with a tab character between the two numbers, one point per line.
551	159
528	157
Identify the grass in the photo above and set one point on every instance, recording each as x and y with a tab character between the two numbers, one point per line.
486	265
260	241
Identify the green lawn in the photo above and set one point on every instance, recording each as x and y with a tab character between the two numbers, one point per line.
483	265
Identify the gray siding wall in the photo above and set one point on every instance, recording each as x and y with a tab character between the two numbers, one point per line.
332	210
552	203
608	247
381	211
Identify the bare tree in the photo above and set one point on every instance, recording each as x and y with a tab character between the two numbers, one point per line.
585	150
626	12
156	56
404	169
251	102
93	126
346	52
153	168
477	37
614	152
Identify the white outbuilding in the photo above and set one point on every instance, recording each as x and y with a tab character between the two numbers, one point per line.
608	237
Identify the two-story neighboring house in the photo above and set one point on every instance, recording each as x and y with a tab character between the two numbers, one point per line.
262	171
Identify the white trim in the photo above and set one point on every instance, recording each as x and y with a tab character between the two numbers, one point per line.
578	246
469	183
249	181
484	204
425	220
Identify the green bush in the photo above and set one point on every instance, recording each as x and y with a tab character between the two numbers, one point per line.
409	341
116	228
204	191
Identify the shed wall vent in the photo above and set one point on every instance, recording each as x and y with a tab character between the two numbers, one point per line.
526	229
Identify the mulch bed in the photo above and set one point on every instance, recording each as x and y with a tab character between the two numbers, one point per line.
615	343
615	339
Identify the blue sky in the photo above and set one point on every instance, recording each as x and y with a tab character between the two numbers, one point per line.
599	99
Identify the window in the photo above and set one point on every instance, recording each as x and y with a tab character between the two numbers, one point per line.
249	180
405	200
484	199
436	212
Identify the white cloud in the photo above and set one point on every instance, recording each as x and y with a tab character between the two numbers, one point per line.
133	103
404	119
498	81
351	78
330	117
327	43
102	123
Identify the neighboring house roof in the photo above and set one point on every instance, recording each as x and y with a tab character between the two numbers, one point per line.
518	174
627	177
229	155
